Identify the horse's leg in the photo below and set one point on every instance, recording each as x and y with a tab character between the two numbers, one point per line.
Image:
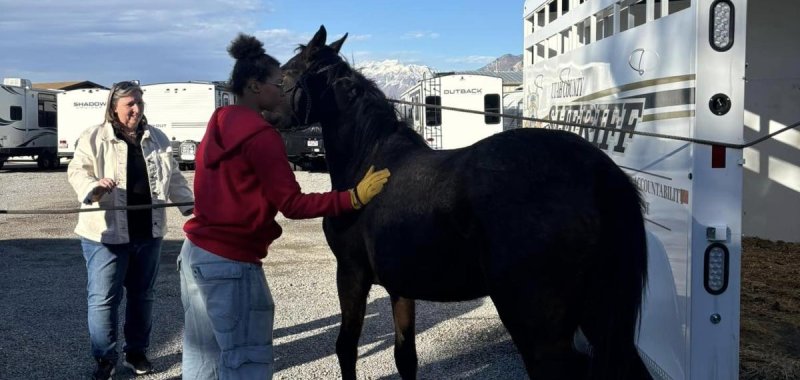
353	287
542	326
405	348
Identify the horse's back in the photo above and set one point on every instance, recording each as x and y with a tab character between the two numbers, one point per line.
544	198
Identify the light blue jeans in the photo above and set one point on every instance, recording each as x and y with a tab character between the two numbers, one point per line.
109	268
228	317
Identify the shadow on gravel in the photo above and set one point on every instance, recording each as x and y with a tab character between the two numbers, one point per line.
43	330
44	335
476	359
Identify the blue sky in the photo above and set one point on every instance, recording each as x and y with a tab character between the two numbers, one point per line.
178	40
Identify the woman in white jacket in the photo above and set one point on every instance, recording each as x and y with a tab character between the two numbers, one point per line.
123	162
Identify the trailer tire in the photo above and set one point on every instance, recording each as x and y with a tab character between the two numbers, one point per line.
47	160
3	161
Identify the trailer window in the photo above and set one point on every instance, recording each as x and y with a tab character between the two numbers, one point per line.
15	113
631	14
605	23
433	116
47	111
491	103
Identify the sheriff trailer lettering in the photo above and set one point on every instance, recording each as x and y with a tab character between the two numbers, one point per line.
622	116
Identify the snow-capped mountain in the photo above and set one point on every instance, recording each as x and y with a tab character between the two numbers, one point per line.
392	76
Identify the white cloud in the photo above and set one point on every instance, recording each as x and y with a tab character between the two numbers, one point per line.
471	59
103	41
419	35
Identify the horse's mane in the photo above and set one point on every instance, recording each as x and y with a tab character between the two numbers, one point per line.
377	117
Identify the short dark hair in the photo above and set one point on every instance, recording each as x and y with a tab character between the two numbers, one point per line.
251	62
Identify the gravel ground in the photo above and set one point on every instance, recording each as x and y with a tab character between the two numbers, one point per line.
43	332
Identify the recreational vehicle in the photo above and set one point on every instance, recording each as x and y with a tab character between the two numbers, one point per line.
182	110
680	68
28	123
447	129
77	110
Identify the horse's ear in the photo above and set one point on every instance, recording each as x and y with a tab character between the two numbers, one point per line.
337	45
319	38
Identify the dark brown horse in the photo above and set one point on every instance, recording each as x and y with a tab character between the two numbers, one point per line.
539	220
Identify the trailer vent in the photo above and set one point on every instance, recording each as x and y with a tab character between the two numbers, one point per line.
721	25
716	268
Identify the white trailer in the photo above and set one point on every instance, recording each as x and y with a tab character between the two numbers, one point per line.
447	129
673	67
182	110
28	123
77	110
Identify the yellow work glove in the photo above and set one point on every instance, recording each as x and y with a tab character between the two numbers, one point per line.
369	187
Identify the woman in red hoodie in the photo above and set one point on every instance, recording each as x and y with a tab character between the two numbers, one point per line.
243	178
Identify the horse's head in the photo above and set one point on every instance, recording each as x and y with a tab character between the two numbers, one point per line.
310	83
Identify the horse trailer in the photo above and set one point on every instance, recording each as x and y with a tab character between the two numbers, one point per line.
28	123
77	110
449	129
684	68
182	110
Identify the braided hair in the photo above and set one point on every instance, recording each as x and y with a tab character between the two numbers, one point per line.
251	62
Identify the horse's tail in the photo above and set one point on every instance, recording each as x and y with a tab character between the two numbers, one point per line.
615	290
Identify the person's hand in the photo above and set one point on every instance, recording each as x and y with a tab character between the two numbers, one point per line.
369	187
104	186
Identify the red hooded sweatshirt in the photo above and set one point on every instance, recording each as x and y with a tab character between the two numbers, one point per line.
242	180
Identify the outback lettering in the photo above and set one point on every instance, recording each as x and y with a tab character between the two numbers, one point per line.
457	91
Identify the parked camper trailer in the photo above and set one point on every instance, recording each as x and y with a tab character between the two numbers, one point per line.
182	110
446	129
675	68
77	110
28	123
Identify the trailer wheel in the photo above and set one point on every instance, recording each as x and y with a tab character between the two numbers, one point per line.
3	161
47	160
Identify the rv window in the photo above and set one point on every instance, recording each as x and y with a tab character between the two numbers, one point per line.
491	103
15	113
47	111
433	116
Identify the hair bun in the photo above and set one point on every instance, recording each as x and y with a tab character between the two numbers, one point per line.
244	47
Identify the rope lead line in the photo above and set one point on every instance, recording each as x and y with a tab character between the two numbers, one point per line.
679	138
77	210
659	135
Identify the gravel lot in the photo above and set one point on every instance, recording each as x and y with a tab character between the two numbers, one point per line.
43	331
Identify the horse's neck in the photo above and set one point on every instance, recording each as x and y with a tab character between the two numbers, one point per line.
347	164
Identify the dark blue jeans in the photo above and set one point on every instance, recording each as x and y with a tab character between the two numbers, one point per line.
109	268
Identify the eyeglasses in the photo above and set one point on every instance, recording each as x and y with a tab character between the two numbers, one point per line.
124	85
279	85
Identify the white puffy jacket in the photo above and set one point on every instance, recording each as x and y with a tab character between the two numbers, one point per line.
100	154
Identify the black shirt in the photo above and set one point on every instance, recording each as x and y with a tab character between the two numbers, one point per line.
140	222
